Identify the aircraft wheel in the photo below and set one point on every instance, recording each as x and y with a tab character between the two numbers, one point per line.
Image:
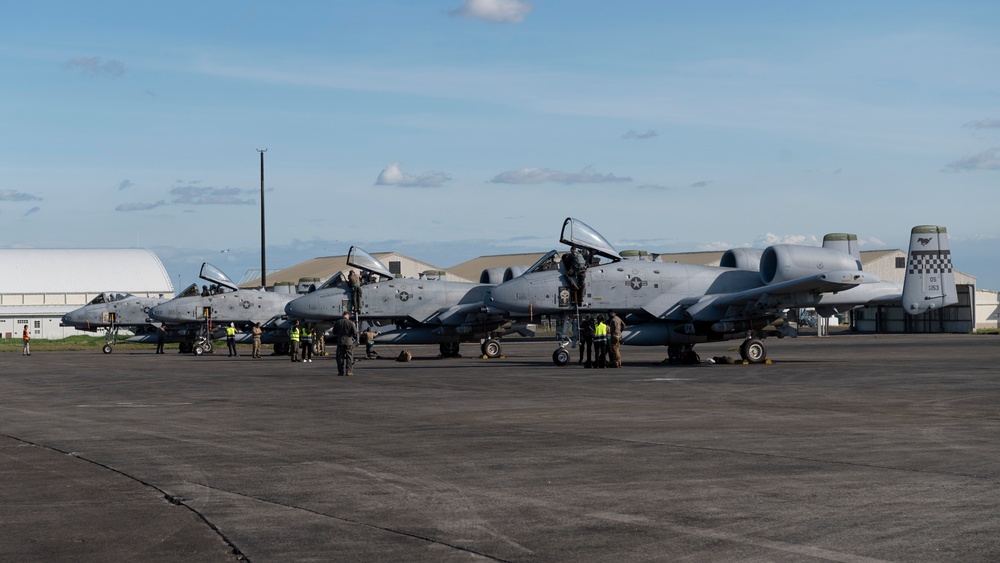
107	349
207	347
186	348
449	349
198	350
491	348
560	357
753	351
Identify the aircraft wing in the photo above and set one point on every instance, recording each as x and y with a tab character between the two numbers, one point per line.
777	296
454	315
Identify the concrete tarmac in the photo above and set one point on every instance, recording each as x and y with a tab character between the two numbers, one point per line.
848	448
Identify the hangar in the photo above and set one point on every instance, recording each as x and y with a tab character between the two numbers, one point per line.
39	285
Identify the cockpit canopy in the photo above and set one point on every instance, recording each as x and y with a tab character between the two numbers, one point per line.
364	261
579	234
215	275
108	297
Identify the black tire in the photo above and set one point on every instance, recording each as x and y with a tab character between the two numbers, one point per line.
186	348
492	348
107	349
449	349
207	346
198	350
560	357
753	351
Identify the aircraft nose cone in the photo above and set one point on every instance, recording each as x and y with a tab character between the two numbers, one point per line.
296	307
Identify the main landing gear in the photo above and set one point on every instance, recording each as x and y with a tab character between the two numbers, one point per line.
753	351
490	348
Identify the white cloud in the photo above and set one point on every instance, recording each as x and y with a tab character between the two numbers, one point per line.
986	160
542	175
14	195
139	206
393	175
983	124
494	11
768	239
633	134
95	67
196	195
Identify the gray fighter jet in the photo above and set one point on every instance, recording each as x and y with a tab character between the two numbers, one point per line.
679	305
204	316
111	311
426	310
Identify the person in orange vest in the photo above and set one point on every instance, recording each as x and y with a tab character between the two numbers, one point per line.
26	336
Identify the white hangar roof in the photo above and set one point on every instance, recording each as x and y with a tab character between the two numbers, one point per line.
82	270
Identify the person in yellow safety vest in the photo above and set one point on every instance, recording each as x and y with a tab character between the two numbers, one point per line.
293	337
600	342
231	339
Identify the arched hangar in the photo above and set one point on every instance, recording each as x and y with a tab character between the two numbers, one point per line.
39	285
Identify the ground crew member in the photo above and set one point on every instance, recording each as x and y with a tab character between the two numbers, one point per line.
345	332
161	337
231	339
600	342
307	343
27	342
354	280
368	339
293	341
587	340
615	326
256	331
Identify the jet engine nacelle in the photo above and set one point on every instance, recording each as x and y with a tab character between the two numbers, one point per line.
784	262
742	258
492	276
513	272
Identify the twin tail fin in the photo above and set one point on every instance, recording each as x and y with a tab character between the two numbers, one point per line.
929	282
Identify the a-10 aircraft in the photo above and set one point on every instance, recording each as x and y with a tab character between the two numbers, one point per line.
111	311
204	316
679	305
427	310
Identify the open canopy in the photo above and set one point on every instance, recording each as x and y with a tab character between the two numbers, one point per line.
579	234
215	275
362	260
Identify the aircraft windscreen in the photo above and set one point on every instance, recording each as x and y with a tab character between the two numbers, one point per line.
577	233
190	291
361	259
336	280
548	262
215	275
101	298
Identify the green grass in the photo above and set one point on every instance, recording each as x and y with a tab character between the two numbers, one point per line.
77	343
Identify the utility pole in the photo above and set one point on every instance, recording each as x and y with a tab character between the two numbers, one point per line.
263	255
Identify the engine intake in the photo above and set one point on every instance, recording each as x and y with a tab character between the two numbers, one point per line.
784	262
742	258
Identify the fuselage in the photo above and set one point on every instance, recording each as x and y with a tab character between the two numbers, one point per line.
129	311
243	306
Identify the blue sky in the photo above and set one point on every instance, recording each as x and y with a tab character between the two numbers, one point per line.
448	129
